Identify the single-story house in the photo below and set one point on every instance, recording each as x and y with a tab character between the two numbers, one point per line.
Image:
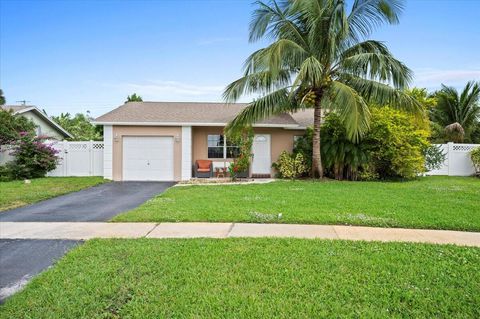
162	140
45	125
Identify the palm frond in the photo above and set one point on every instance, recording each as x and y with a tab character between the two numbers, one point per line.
271	104
311	73
369	46
463	107
261	82
275	20
378	66
351	107
367	15
382	94
282	54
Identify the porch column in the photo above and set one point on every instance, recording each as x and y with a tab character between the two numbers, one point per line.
186	153
107	151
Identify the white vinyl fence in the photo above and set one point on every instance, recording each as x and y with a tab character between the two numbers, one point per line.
76	158
457	160
79	159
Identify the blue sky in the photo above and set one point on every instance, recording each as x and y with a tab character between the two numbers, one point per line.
74	56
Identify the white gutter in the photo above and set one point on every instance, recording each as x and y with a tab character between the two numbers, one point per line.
45	117
291	126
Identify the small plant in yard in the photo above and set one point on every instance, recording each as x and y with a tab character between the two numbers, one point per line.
244	140
33	158
291	165
475	156
434	157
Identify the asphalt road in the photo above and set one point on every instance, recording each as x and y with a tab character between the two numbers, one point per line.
21	259
98	203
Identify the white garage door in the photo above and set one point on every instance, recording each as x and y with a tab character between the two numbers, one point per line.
147	158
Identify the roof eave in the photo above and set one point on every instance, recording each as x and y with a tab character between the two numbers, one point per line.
45	117
286	126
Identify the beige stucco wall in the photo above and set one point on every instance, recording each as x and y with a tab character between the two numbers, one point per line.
44	127
120	131
281	140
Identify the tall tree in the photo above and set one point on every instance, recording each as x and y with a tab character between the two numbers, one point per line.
134	98
2	98
320	59
458	112
79	126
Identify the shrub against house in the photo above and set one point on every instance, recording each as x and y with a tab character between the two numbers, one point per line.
393	147
32	157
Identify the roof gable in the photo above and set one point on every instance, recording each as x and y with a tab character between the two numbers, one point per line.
21	109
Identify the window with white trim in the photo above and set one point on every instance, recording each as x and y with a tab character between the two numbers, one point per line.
218	147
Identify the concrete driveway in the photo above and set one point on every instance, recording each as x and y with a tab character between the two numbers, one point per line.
21	259
98	203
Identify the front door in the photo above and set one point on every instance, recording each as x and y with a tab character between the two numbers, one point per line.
262	161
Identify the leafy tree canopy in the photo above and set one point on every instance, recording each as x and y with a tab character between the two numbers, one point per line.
2	98
458	112
11	126
134	98
79	126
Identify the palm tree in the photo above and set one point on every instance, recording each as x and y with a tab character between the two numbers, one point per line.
458	112
320	59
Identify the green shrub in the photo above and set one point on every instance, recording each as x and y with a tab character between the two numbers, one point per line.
341	158
434	157
5	173
244	140
290	165
303	145
11	126
475	156
395	143
32	158
395	146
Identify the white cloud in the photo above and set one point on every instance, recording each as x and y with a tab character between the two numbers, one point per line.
433	78
174	87
173	91
169	91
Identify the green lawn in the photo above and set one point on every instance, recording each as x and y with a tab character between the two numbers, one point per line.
254	278
17	193
430	202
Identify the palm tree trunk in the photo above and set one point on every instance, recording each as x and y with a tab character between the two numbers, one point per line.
317	170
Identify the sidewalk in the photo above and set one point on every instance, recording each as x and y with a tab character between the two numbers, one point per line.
83	231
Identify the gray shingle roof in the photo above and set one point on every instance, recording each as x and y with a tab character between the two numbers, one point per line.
185	112
16	108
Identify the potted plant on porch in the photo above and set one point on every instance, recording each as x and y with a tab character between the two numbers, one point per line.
240	166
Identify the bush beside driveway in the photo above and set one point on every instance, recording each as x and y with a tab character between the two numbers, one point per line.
434	202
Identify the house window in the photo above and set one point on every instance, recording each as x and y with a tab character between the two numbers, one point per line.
219	148
215	146
233	151
296	138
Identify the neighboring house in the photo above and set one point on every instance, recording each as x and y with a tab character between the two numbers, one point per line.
162	140
45	125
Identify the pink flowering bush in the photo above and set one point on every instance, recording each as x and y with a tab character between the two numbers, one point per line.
33	157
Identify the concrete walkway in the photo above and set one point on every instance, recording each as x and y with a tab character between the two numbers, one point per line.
81	231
